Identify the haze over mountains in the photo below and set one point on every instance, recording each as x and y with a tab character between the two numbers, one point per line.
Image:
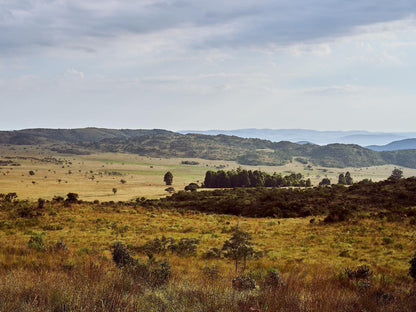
363	138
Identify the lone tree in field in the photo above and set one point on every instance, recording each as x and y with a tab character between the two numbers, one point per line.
396	174
168	178
114	190
238	247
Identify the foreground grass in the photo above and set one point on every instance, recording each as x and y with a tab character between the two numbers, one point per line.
311	259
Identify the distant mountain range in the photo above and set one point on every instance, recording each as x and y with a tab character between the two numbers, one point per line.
395	146
362	138
246	151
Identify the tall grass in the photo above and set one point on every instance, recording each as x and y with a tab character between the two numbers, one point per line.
309	258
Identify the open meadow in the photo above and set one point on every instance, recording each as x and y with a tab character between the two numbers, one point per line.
94	176
126	251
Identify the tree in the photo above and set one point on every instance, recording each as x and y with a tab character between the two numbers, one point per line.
238	247
348	178
341	179
71	197
168	178
324	182
114	190
396	174
31	172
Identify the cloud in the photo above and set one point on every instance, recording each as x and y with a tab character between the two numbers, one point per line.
334	90
78	24
75	73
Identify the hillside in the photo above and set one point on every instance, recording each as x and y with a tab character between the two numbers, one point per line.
395	146
167	144
361	138
251	151
48	136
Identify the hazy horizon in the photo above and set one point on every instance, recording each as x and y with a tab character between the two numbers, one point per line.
322	65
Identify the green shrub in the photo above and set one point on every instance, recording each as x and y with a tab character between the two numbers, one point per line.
121	256
185	246
153	273
412	270
211	253
36	241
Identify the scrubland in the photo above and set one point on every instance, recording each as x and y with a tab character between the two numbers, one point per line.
58	258
58	255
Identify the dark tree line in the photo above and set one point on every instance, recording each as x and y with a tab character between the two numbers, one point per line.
248	178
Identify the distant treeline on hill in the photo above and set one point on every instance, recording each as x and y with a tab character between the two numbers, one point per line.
248	178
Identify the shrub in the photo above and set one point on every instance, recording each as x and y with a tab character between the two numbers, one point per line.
153	273
185	247
360	273
211	272
192	187
71	197
412	269
59	246
41	203
243	282
36	242
156	246
58	199
121	256
272	280
211	253
24	210
159	272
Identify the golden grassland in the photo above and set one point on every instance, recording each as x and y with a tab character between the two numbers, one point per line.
311	259
385	246
94	176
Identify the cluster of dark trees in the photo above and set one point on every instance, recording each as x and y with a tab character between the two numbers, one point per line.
248	178
345	179
393	198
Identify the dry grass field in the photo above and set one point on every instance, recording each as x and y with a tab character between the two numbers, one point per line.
59	257
94	176
310	258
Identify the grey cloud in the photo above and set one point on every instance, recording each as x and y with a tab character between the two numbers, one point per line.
39	23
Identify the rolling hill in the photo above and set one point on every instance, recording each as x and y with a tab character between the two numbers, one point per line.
395	146
362	138
163	143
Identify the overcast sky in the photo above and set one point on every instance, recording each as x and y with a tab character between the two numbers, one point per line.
197	64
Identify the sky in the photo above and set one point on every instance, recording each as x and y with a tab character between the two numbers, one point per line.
197	64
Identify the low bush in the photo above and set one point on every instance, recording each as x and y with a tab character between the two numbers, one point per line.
243	282
412	269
